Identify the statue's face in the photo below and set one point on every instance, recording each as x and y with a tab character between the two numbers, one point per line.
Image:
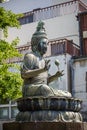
42	46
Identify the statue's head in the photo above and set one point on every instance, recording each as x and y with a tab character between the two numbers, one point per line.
39	39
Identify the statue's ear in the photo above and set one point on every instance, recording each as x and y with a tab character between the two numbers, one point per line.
39	45
34	48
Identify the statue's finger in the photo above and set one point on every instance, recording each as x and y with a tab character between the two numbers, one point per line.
48	61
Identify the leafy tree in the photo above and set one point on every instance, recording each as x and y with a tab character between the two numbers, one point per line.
1	1
10	81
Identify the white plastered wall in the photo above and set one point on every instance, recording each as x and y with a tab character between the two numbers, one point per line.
56	28
62	83
80	70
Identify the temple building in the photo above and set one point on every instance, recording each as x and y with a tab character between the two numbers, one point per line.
66	28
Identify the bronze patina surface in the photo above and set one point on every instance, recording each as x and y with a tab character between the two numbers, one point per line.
40	102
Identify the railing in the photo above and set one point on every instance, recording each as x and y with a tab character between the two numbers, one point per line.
53	11
8	111
49	12
64	46
56	47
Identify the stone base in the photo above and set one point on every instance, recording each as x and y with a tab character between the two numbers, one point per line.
51	116
44	126
51	108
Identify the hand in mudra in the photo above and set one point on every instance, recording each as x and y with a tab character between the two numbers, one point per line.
47	65
59	73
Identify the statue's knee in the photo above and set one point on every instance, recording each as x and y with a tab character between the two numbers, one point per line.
45	90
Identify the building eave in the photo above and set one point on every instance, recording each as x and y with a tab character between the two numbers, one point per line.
79	58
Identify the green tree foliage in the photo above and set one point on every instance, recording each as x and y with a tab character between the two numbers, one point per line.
8	19
1	1
10	81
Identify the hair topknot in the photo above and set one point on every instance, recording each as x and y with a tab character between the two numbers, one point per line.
39	33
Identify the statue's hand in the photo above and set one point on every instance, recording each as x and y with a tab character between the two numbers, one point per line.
47	65
59	73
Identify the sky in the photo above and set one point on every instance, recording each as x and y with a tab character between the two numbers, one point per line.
21	6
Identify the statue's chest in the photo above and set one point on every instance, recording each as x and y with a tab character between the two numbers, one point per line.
41	63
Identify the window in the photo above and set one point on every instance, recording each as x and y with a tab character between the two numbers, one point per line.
26	19
57	48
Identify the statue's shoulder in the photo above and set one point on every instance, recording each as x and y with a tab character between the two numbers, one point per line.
30	61
29	56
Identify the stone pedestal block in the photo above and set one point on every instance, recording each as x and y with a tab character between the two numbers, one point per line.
44	126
